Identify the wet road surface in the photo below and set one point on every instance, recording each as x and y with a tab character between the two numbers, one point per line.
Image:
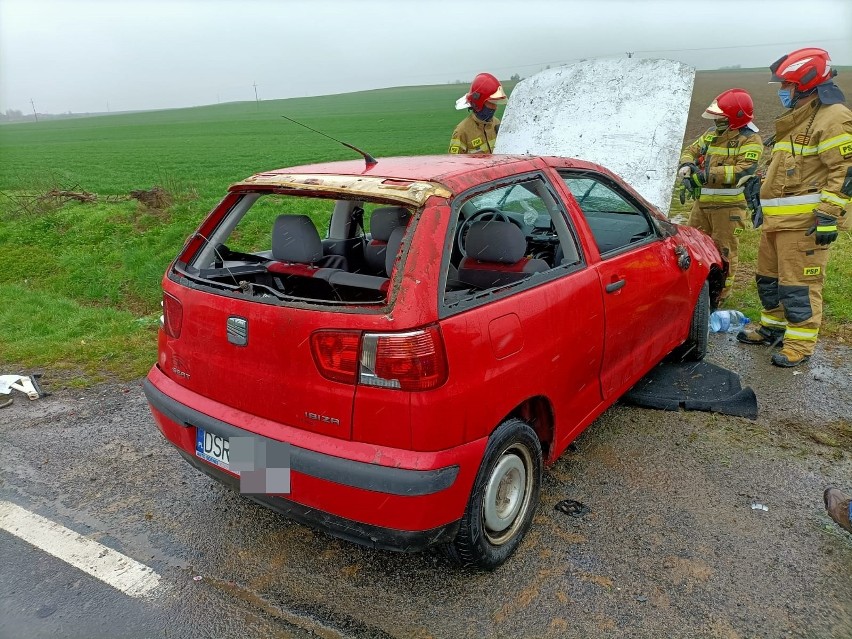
670	546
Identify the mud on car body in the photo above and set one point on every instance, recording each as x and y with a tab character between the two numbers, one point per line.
425	335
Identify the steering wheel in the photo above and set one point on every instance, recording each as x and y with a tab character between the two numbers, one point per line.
482	214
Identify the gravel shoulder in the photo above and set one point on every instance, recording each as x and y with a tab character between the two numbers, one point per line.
671	545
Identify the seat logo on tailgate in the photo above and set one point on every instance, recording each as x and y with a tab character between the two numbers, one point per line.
237	328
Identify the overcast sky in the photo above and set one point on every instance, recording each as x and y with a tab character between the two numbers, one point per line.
98	55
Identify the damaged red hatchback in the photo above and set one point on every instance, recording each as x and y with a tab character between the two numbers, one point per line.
424	334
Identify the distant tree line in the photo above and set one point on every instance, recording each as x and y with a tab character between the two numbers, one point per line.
11	115
14	115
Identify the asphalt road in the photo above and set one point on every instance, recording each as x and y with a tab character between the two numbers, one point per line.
671	545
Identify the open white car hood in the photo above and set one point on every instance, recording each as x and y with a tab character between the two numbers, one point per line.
627	114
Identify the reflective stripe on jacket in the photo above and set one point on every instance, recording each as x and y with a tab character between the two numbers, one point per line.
727	158
810	161
472	135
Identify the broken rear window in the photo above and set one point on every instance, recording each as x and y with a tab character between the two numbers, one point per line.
315	250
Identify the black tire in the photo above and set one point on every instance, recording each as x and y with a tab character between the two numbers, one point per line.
695	347
480	543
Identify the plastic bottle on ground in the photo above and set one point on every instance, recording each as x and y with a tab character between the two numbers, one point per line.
727	321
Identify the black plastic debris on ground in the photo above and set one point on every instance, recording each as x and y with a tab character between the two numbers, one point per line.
572	507
693	386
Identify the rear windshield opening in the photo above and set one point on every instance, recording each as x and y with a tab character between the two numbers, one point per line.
315	250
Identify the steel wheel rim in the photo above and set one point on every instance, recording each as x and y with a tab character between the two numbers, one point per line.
507	495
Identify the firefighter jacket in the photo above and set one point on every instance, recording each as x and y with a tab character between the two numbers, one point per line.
810	167
723	159
472	135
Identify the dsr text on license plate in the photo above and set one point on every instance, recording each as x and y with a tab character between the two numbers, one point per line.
213	448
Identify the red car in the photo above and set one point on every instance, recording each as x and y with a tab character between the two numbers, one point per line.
420	336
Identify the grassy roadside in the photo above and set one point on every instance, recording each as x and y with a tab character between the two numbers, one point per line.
80	282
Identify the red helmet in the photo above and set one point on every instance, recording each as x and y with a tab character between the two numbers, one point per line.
806	68
484	88
734	104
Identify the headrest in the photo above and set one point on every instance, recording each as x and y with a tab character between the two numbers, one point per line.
385	219
495	241
295	239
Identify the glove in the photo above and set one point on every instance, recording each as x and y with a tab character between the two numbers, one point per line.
685	170
825	228
757	217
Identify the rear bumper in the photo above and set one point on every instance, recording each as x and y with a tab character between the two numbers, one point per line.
360	533
373	495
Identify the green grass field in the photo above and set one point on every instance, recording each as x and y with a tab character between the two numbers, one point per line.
80	283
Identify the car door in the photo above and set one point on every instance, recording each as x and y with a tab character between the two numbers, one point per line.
511	338
645	292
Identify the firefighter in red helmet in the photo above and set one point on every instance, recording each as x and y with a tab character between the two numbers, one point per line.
717	164
477	133
805	196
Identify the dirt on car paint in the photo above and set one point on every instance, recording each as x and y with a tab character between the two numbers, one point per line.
695	524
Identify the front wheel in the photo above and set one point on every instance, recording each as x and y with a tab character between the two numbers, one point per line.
503	499
699	328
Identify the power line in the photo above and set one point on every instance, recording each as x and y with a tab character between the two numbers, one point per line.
619	53
739	46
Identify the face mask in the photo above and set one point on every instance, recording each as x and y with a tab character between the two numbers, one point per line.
721	125
485	114
786	97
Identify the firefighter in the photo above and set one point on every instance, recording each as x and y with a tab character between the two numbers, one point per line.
477	133
808	184
717	164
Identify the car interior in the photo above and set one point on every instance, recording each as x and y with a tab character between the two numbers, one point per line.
271	247
615	221
505	235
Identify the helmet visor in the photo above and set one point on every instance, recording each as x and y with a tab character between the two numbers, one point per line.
774	68
713	112
498	97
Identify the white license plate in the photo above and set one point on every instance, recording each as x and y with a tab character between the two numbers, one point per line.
213	448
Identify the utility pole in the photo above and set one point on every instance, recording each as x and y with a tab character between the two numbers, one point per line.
256	99
34	110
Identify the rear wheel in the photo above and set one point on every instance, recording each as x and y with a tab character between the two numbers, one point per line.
503	499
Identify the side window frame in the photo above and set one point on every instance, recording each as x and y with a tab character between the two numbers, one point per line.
657	230
563	226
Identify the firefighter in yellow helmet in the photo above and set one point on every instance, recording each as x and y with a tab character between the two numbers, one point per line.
804	196
717	164
477	133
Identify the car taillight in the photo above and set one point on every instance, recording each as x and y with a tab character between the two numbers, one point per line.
336	354
412	361
172	315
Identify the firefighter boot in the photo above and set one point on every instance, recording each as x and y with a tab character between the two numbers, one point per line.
837	505
761	336
790	356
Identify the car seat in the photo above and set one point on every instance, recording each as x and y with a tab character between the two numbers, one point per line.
383	221
297	248
495	256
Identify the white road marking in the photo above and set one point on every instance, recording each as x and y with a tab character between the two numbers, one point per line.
110	566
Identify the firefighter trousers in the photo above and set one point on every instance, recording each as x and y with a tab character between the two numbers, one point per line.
724	225
790	276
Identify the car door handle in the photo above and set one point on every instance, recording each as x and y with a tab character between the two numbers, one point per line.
612	288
